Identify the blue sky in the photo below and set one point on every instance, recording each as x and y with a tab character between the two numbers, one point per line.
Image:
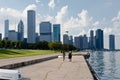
76	16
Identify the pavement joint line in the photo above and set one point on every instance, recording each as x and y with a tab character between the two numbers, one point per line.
47	75
52	71
60	66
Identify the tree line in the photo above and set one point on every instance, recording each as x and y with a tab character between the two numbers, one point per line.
42	45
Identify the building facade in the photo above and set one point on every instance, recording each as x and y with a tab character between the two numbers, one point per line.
65	39
91	40
31	23
56	33
0	36
45	31
20	31
99	39
6	28
77	42
112	42
71	40
13	35
85	42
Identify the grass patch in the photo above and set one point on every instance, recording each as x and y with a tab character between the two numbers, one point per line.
11	53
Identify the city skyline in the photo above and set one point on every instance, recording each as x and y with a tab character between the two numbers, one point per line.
86	16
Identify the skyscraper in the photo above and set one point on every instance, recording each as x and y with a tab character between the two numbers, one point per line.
56	32
77	42
91	39
20	31
31	23
6	28
99	39
111	42
71	40
85	42
13	35
65	39
81	42
0	36
45	31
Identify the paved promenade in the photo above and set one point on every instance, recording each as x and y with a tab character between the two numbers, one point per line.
57	69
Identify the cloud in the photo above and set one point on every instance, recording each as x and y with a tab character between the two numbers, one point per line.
116	28
96	24
29	7
83	17
51	4
80	24
37	1
61	14
9	12
116	24
107	31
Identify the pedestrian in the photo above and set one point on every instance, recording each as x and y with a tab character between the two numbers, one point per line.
70	56
64	55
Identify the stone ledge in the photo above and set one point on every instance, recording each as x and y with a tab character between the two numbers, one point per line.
26	63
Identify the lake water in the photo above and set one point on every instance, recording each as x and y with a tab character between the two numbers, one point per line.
106	64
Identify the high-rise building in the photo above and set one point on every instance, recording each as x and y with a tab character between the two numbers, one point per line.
77	42
6	28
12	35
65	39
71	40
99	39
85	42
45	31
31	23
20	31
37	37
111	42
56	32
81	42
91	40
0	36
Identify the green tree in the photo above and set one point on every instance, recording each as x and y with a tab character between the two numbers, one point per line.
55	46
0	44
4	42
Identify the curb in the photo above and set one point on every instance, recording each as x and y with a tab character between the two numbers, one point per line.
26	63
94	74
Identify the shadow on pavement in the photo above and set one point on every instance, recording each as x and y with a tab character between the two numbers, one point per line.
26	78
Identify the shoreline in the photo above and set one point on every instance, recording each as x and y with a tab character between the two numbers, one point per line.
94	74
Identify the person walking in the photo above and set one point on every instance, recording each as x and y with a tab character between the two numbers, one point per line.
64	55
70	56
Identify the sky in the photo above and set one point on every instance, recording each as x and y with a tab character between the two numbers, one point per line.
76	16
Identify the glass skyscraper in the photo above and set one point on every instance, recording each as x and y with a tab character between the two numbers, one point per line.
45	31
12	35
99	39
91	40
65	39
6	28
56	32
31	23
20	31
71	40
111	42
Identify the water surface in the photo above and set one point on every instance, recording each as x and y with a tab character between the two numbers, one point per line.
106	64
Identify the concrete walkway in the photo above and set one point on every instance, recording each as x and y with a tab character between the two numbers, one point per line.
57	69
